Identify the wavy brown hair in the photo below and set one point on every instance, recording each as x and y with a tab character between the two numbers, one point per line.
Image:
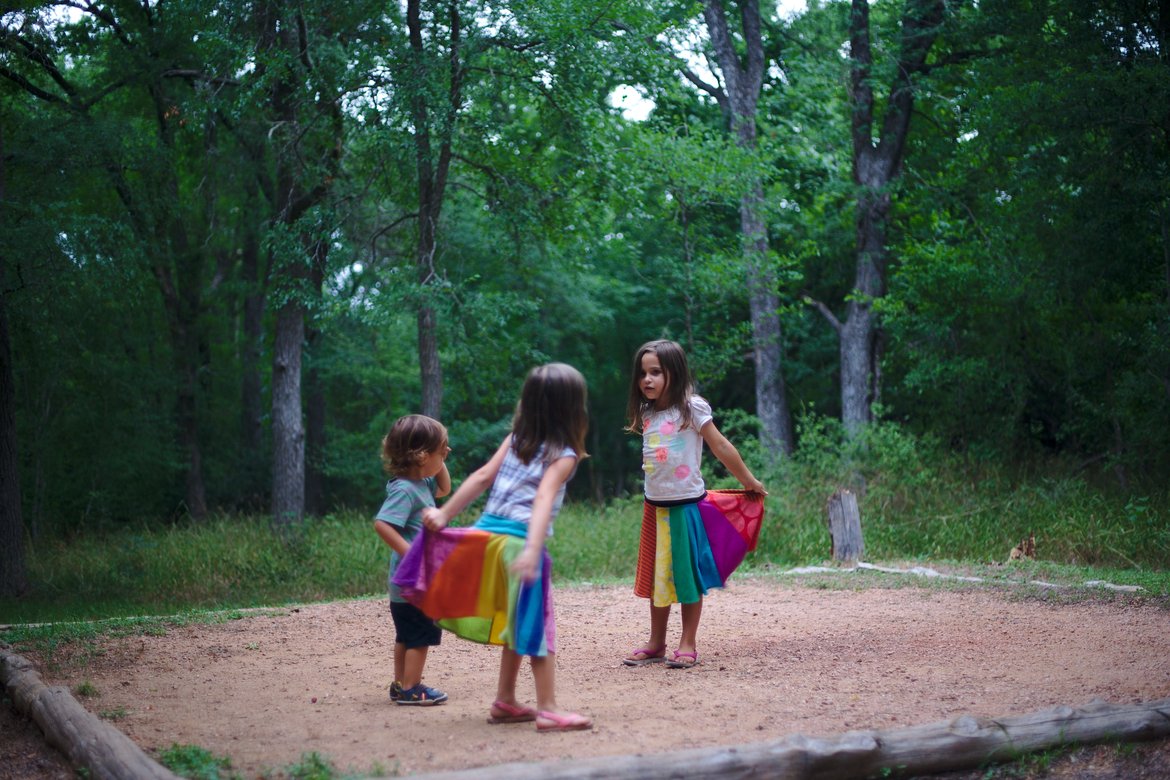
679	385
552	411
410	440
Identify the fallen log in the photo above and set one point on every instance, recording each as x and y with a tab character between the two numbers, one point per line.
85	739
966	742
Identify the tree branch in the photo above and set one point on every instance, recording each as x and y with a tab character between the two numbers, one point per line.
825	311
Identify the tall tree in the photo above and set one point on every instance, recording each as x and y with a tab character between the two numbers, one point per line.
139	63
738	96
877	164
307	133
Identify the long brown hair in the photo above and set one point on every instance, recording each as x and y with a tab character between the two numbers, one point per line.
552	411
679	386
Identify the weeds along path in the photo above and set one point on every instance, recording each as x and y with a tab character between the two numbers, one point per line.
776	658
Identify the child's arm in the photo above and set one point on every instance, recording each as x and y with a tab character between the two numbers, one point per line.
729	456
480	480
391	536
442	482
527	563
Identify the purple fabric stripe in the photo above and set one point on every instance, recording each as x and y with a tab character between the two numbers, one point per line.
727	546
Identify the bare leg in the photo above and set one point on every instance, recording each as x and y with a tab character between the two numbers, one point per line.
544	674
412	666
509	670
687	654
659	619
399	661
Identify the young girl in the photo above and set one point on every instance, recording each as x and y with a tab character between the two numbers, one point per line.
691	540
492	582
414	453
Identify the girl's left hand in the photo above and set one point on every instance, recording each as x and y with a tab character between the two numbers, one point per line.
527	564
755	486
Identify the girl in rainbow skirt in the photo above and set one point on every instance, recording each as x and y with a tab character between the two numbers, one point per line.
692	539
492	582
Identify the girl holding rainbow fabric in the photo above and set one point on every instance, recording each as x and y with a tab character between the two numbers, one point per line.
692	539
492	582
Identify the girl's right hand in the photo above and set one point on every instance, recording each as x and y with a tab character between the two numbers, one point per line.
434	519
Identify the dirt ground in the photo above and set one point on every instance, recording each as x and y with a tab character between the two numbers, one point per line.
776	658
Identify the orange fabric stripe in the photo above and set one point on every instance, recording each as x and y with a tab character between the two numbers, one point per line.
644	574
454	589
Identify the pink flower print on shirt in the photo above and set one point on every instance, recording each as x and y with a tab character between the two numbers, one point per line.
666	428
660	454
682	472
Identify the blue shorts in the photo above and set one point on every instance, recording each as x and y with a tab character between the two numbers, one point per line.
413	628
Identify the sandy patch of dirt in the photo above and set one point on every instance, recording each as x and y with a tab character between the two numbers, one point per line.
776	659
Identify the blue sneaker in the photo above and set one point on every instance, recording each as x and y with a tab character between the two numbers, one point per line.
421	696
395	691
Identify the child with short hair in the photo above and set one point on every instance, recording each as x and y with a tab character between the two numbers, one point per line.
414	454
492	582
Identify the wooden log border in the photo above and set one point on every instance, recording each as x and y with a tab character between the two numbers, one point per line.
966	742
86	740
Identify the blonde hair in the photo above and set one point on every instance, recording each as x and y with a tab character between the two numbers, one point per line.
410	440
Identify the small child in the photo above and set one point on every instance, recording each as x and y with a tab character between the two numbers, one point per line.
413	453
492	583
691	540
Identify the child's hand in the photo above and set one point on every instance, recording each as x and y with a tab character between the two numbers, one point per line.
527	564
434	519
755	486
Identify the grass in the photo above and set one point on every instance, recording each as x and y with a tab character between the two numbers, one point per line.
920	505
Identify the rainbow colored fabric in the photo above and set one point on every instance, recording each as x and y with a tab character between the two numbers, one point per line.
686	550
460	577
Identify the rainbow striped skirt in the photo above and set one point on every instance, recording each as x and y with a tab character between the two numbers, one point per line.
460	577
686	550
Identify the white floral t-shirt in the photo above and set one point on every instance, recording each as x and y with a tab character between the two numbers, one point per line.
671	454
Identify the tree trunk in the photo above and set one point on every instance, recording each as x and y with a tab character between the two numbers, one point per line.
876	166
431	167
13	575
965	742
858	334
251	402
288	434
739	101
315	411
771	393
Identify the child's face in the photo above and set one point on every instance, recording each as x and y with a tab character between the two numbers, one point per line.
432	462
653	379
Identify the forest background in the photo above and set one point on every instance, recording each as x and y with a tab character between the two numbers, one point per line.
237	240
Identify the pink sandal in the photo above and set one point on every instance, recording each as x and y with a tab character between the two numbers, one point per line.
503	712
675	663
569	721
651	655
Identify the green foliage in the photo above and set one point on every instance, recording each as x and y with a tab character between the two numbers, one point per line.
920	501
196	763
225	562
312	766
1026	320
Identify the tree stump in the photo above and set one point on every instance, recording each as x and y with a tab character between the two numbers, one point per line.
844	520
